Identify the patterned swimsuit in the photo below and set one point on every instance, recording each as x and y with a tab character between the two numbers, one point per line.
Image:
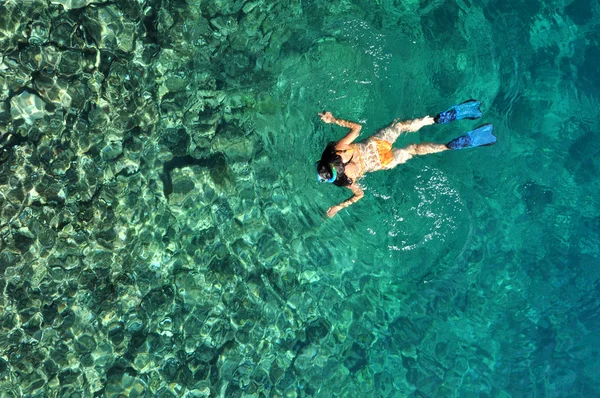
373	154
376	152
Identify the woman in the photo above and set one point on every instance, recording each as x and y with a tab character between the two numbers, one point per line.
344	162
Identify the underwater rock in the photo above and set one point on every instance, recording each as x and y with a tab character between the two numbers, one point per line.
46	236
176	141
40	31
110	29
112	150
31	58
183	181
236	63
12	17
50	58
220	7
176	83
224	25
13	77
4	115
250	36
249	6
231	141
85	344
34	383
63	32
537	197
71	63
51	192
98	119
27	106
57	91
356	358
75	4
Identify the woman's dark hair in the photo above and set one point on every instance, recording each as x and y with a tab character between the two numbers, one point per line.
331	158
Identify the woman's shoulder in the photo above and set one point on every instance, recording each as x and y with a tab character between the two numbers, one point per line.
343	147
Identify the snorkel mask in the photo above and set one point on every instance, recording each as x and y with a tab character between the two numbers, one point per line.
321	179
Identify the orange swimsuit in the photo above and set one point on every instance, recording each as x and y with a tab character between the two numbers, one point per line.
373	154
384	149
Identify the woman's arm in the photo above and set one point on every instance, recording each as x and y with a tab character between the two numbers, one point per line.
327	117
358	194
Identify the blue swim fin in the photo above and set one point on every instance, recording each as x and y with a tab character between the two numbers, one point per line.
467	110
481	136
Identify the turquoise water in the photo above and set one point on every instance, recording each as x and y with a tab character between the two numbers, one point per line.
162	232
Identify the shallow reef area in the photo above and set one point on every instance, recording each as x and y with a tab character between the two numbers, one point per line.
122	124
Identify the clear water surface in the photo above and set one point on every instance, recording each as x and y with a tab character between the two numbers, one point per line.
163	233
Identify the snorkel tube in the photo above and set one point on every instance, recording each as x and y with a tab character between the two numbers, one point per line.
333	172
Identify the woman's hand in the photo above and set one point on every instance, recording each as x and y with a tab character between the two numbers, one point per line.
327	117
333	210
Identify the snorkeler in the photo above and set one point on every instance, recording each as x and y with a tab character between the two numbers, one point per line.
344	162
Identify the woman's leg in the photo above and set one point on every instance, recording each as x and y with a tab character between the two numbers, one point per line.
401	155
393	131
